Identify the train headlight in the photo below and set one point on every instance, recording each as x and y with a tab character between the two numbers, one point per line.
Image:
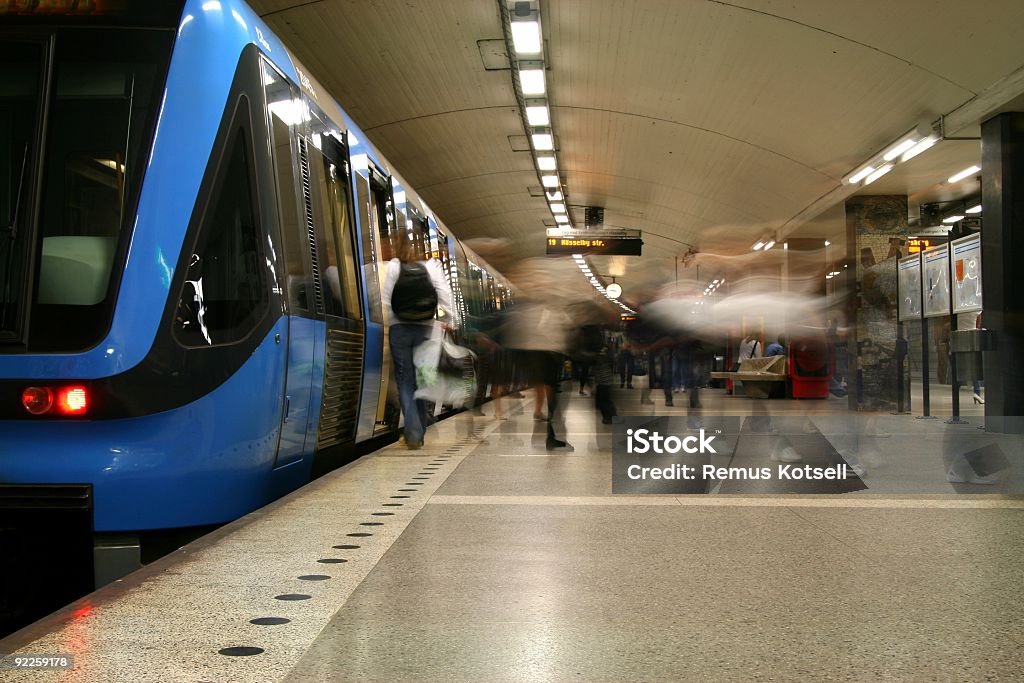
37	400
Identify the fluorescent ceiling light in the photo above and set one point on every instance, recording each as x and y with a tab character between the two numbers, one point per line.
558	208
561	219
878	174
543	141
546	163
899	149
578	257
537	115
953	219
526	37
927	143
964	174
757	245
827	243
549	180
861	174
769	244
531	81
975	209
555	196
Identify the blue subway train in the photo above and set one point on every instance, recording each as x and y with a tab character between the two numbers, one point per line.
190	313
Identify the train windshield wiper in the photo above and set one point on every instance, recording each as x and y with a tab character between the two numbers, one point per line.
12	235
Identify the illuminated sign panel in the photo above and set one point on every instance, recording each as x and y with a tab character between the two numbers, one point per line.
604	246
918	245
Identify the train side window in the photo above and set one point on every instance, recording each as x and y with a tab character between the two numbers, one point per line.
371	276
225	294
286	110
340	280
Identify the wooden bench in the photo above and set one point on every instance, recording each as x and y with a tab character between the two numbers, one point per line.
758	375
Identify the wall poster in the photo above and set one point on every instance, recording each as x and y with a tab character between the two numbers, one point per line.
966	268
935	278
908	280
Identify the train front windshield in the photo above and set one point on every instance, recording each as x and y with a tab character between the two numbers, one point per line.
78	106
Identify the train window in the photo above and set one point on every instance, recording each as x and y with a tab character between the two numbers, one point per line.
371	277
341	284
20	101
224	295
286	111
98	97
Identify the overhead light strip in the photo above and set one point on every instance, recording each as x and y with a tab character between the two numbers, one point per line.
905	148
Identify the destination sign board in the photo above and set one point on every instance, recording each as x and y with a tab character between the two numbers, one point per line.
601	246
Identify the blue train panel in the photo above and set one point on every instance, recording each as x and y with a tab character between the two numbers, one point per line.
206	462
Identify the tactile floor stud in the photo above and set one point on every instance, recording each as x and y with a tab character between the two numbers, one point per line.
383	514
401	496
345	546
314	577
413	483
241	651
292	596
409	491
371	523
395	505
270	621
332	560
360	534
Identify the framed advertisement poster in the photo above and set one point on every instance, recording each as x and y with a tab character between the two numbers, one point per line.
908	282
966	271
935	278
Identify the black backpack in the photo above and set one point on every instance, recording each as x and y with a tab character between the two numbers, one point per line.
414	298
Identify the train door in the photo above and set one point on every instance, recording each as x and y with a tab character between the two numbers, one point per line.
302	289
329	166
382	219
375	214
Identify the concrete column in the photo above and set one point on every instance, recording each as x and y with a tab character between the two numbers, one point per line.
876	230
1002	254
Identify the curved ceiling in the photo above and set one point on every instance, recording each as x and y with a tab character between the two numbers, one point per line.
701	123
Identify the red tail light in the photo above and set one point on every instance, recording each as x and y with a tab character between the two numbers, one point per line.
72	400
37	400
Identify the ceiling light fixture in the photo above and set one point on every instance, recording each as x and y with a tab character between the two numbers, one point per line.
975	209
953	219
899	148
861	175
526	37
538	115
921	146
531	81
878	174
524	46
543	142
957	177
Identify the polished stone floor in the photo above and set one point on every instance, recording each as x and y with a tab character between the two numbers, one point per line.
503	561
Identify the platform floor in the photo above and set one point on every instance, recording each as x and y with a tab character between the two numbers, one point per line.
484	557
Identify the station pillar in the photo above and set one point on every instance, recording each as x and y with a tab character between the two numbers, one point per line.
876	230
1002	253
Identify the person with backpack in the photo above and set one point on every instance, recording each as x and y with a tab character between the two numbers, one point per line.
413	292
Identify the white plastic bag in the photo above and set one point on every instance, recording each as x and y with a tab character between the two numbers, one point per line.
445	371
